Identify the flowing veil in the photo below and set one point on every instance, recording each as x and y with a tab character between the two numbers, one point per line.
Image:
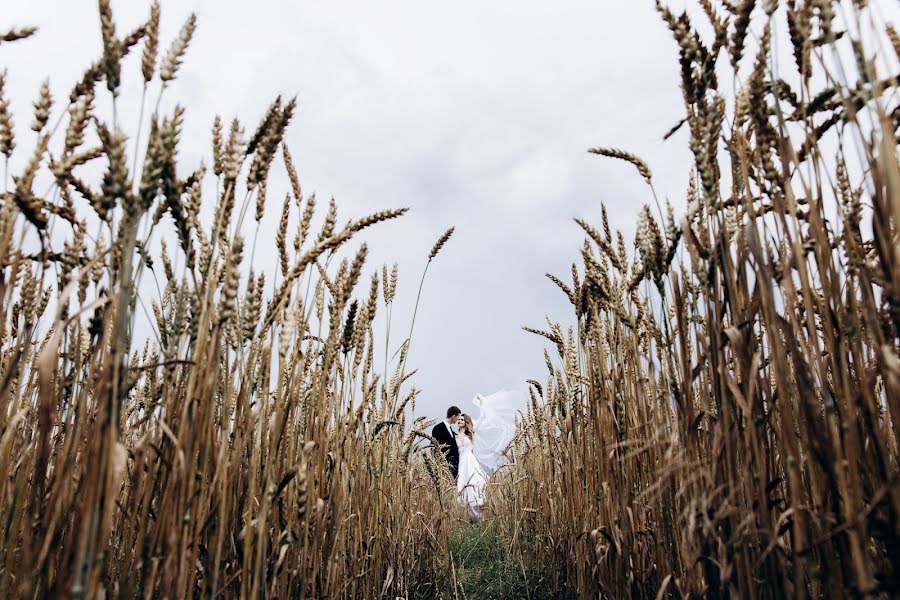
495	426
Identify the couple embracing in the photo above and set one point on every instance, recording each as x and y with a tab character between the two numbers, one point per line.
458	448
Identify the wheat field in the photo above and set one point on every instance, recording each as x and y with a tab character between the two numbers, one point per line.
719	416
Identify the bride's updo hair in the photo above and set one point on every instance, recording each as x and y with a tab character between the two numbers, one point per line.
470	428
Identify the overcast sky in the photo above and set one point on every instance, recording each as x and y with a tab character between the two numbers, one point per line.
473	114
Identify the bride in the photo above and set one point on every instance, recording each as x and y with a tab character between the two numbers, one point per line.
471	481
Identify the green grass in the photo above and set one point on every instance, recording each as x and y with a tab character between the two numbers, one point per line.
485	570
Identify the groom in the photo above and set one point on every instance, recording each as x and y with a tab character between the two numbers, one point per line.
447	439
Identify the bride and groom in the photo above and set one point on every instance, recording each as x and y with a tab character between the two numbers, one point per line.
459	450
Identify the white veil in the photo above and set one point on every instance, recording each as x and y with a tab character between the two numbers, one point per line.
495	426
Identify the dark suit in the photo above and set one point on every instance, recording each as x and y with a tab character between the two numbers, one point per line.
447	440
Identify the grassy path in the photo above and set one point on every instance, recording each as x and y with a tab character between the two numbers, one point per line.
485	570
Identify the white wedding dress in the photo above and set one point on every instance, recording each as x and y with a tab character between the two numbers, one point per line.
471	480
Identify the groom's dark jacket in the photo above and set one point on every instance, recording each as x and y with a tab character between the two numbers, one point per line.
445	437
